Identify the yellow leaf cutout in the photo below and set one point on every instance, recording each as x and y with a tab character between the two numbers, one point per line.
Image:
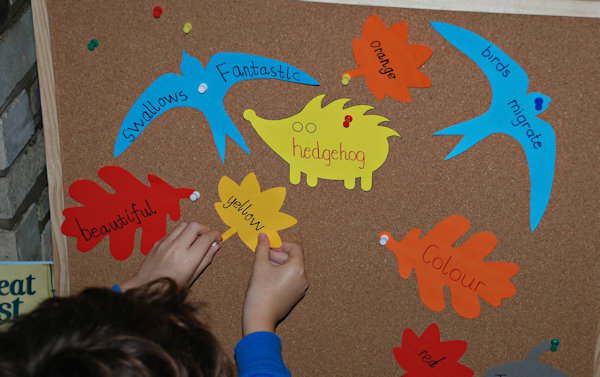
248	211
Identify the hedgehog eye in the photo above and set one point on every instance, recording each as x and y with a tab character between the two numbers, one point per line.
311	127
297	126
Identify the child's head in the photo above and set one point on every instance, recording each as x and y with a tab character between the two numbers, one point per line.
149	331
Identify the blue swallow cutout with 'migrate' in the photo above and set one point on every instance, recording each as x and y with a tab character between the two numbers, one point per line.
512	112
204	89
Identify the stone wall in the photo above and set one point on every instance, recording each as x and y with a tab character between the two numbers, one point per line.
24	208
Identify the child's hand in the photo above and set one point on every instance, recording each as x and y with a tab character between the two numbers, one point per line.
181	256
277	283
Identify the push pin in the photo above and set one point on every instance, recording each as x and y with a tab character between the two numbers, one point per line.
538	103
345	79
347	121
157	11
554	343
383	240
195	195
202	88
187	27
93	44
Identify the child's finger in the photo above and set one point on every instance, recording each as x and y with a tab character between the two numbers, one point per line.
278	257
262	249
176	232
191	232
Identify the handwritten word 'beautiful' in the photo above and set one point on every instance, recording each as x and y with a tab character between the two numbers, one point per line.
135	217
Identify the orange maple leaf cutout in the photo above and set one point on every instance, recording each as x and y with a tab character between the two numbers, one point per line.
437	264
249	211
427	356
118	215
390	65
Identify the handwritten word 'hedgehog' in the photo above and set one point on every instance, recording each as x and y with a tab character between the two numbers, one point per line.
328	142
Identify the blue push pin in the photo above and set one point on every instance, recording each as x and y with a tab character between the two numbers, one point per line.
538	103
554	343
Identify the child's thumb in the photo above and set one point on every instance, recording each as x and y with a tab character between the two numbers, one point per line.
262	248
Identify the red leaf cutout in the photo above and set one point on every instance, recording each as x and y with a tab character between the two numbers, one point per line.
427	356
437	263
390	65
133	205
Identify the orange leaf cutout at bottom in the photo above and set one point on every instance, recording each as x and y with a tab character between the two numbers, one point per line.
437	264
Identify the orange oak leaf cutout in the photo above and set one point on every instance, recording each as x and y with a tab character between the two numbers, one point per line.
390	65
437	264
118	215
427	356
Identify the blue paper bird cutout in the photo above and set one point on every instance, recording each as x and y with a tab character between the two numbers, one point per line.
512	112
204	89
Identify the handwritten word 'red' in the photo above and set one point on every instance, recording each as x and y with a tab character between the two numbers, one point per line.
427	359
16	287
318	153
259	71
130	218
383	60
243	209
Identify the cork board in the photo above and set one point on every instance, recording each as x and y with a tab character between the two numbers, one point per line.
358	306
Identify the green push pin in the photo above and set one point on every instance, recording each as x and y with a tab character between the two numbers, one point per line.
93	44
554	343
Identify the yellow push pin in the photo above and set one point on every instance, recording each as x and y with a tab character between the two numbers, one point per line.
345	79
187	27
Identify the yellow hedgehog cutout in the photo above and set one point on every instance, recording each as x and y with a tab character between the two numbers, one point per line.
328	142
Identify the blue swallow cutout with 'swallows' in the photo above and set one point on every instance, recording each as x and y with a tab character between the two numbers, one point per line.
512	112
204	89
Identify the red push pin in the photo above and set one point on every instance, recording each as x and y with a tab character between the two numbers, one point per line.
157	11
347	121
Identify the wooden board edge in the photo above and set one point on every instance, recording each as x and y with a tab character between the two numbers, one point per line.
45	68
563	8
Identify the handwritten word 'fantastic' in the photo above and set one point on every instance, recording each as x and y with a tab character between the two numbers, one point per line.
260	71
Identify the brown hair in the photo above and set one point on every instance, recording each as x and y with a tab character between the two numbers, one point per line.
148	331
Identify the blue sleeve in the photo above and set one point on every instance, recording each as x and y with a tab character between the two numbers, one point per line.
259	354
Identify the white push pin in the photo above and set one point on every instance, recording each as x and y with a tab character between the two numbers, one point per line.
195	195
384	239
202	88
